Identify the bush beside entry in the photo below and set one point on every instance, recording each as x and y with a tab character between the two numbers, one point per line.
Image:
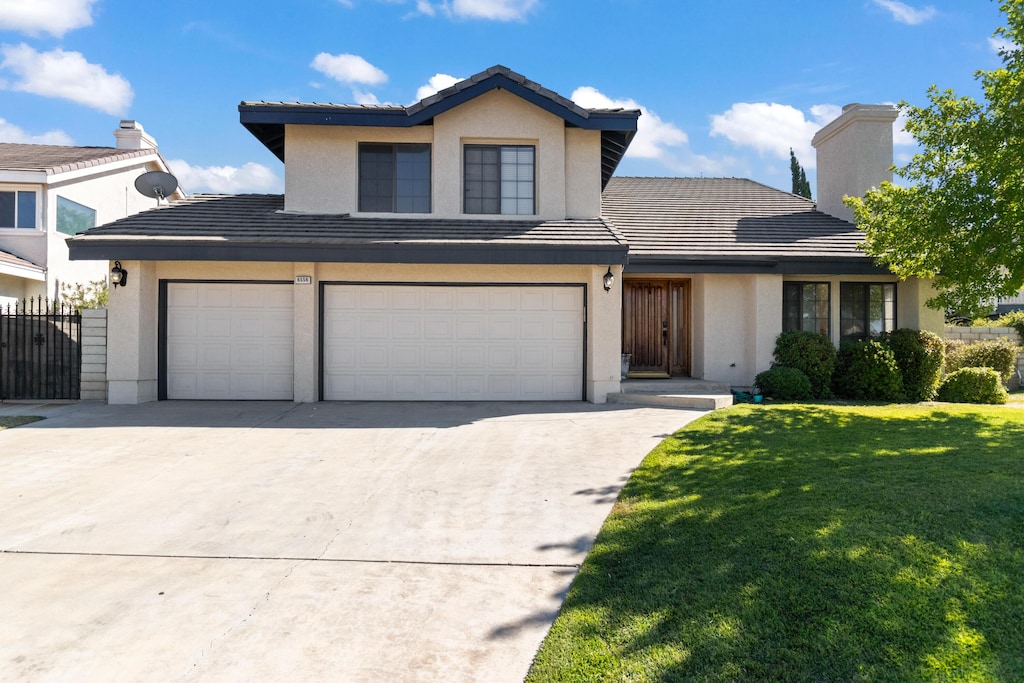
812	354
867	370
920	356
788	384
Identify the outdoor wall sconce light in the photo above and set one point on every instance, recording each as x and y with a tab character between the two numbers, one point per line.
118	275
609	280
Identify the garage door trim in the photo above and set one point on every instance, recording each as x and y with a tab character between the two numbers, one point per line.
161	351
326	283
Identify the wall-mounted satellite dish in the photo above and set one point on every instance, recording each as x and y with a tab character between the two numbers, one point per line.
156	184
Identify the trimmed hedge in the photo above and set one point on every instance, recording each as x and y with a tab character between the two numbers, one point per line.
1000	355
788	384
810	353
867	370
920	356
973	385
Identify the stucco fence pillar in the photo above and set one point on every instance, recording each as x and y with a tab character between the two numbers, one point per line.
94	354
975	334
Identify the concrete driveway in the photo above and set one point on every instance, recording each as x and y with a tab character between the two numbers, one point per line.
280	541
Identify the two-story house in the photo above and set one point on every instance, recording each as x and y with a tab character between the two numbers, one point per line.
51	192
475	246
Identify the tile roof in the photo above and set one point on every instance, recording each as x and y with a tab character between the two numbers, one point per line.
9	259
258	224
59	159
673	219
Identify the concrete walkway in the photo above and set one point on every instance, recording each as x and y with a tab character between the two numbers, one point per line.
279	541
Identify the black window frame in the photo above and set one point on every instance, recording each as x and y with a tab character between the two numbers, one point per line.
484	188
859	293
788	306
380	168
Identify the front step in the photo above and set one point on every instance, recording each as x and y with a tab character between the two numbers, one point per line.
694	401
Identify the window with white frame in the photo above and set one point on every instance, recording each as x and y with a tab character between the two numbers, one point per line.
806	306
866	309
499	179
17	209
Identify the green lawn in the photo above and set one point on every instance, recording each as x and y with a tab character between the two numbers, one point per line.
16	421
809	543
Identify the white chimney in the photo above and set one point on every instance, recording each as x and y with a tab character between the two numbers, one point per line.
130	135
854	154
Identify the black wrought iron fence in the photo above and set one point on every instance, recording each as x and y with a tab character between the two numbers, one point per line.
40	350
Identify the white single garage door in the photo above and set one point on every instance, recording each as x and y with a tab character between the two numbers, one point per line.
452	343
229	341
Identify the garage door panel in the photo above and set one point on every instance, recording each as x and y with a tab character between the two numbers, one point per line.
455	343
229	341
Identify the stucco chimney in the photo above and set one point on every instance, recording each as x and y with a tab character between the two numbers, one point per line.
854	154
131	135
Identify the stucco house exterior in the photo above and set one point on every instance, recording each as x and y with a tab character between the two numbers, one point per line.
476	246
50	192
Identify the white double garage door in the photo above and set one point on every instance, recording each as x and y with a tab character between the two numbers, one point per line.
378	342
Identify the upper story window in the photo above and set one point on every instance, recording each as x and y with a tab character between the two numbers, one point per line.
18	209
73	218
805	306
866	309
499	179
394	178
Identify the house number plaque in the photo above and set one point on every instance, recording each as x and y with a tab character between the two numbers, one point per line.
303	279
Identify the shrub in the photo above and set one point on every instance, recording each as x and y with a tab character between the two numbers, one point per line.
1000	355
788	384
810	353
920	356
867	370
1014	319
973	385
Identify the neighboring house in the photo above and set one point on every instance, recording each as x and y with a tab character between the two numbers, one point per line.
475	246
50	192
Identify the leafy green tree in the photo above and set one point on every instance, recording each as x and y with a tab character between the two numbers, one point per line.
800	184
960	219
93	294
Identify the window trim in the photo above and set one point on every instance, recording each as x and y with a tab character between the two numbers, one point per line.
828	299
499	146
37	219
867	306
57	211
395	147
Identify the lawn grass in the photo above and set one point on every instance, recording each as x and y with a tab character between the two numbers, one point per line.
809	543
17	420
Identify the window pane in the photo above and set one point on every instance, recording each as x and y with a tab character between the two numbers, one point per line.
7	209
26	209
73	218
499	179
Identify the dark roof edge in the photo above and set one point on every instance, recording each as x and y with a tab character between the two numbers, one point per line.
782	265
155	249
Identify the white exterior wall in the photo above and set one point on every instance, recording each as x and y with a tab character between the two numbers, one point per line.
321	169
132	347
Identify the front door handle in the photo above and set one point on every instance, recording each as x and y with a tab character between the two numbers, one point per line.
664	333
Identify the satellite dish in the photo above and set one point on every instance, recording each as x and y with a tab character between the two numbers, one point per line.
156	184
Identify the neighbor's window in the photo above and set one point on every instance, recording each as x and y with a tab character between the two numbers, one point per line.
394	178
499	179
17	209
866	309
73	218
805	306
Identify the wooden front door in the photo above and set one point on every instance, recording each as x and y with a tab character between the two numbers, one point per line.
655	327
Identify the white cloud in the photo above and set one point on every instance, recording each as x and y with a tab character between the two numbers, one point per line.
55	17
66	75
499	10
653	138
905	14
999	45
424	7
900	137
12	133
436	83
367	98
347	3
346	68
250	177
773	128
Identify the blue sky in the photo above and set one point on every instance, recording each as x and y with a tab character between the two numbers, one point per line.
726	88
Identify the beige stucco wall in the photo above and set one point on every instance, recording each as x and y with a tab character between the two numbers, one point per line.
321	162
132	346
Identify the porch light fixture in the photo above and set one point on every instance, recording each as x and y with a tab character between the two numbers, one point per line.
609	280
118	275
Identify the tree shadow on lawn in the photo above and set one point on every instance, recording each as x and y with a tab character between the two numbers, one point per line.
809	543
